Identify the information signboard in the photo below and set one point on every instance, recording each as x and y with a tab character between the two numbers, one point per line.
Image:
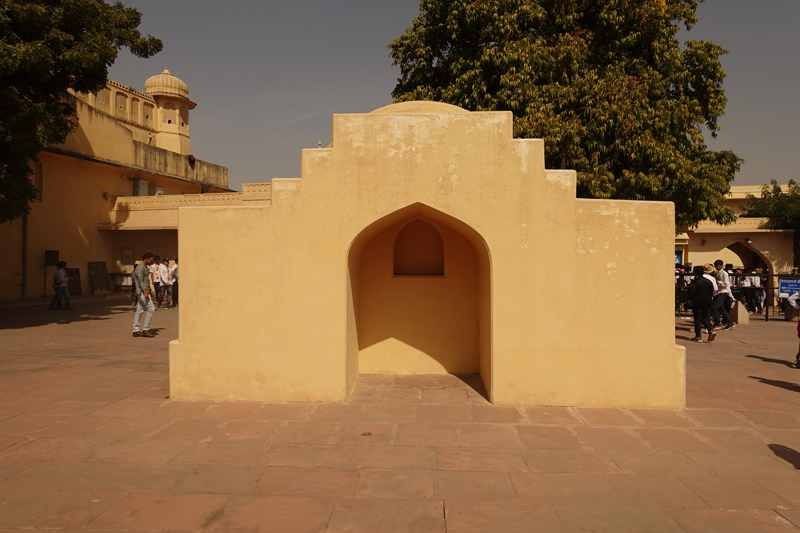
98	275
788	286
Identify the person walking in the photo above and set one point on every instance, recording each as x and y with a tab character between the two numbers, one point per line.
722	298
701	295
61	285
174	277
166	283
144	296
155	276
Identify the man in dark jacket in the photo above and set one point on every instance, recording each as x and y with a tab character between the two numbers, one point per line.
701	295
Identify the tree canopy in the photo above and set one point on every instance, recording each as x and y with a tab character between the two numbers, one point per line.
607	85
781	207
47	47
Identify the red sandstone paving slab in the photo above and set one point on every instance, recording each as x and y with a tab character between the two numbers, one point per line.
772	420
8	469
365	434
570	461
126	429
616	439
734	440
395	457
606	417
480	486
273	513
389	413
552	415
694	402
129	408
566	489
71	408
8	442
731	521
7	411
130	477
154	511
141	452
360	395
187	429
480	517
782	437
792	516
730	465
445	397
657	464
663	418
673	440
655	491
45	477
106	396
487	436
26	424
785	488
53	450
596	519
718	418
66	509
480	460
766	405
306	433
496	414
424	434
549	438
415	381
401	396
395	484
336	412
370	516
177	409
310	456
734	493
221	479
216	453
77	427
232	411
246	431
443	413
326	483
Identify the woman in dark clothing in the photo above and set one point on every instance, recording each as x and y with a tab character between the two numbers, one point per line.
701	294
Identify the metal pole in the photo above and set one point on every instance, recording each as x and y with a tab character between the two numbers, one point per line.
24	256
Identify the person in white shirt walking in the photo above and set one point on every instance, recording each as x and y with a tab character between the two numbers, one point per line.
155	276
166	283
61	285
722	298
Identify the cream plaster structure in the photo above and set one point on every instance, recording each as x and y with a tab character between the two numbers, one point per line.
425	239
125	140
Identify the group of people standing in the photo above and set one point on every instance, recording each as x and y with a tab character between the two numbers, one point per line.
710	298
749	281
153	279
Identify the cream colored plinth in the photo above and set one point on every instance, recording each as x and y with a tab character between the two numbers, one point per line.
739	314
427	239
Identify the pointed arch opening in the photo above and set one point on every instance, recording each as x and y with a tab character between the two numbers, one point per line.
419	297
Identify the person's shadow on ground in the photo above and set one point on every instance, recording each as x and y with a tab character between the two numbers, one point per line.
783	362
82	311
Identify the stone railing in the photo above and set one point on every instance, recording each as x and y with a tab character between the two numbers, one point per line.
741	224
174	201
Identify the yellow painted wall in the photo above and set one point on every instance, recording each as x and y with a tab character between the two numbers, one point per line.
560	287
776	247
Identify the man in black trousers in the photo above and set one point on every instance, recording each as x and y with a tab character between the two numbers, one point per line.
701	295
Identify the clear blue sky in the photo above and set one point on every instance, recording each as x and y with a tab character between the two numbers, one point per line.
267	76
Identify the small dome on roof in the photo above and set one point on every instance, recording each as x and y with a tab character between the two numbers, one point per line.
165	84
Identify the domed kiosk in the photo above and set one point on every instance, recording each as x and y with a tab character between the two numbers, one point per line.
172	107
427	240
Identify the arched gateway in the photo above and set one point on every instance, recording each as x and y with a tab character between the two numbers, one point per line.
425	239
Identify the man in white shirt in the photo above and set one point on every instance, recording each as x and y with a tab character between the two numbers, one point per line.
166	283
155	277
722	298
61	286
709	273
174	278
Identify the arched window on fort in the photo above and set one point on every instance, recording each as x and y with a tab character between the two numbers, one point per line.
121	105
103	98
135	110
418	250
147	114
168	113
184	111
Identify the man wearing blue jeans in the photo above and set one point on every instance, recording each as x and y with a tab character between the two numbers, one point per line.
61	283
144	296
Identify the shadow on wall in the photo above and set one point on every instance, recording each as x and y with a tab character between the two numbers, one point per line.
420	290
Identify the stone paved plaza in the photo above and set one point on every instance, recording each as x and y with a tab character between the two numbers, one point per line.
89	441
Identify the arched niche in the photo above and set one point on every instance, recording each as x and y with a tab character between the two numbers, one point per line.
436	319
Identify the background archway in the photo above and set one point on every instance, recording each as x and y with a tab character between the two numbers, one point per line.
429	322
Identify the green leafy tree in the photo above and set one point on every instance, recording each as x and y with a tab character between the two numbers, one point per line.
781	207
606	84
47	47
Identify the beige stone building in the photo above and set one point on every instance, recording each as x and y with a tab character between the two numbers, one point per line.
129	146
